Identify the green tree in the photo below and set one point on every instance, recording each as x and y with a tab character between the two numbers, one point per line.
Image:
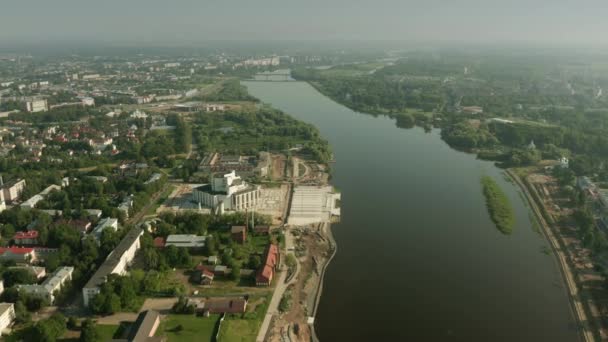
88	332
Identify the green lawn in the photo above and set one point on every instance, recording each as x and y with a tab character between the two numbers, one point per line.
106	332
239	330
193	328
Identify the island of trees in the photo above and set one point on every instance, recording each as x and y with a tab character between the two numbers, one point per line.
498	205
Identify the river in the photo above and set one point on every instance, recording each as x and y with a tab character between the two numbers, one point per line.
418	257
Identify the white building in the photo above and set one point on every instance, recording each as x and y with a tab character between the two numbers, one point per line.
214	107
105	223
34	106
313	204
185	241
137	114
31	202
53	284
126	205
228	192
116	263
7	316
2	203
87	101
12	190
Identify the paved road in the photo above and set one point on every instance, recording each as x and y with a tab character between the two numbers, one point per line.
273	308
567	273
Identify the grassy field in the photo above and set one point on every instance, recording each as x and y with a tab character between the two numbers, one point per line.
194	328
239	330
106	332
498	204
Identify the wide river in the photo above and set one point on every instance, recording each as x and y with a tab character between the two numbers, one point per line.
418	257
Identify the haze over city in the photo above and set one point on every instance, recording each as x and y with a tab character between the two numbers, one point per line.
303	171
154	21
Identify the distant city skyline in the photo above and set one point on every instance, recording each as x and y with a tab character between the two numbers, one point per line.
153	21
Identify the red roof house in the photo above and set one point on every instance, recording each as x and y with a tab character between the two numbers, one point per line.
26	238
159	242
18	254
266	272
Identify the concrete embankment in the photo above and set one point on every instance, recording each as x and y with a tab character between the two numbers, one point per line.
577	307
334	247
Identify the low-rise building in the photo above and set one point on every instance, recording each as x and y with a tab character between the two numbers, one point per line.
185	241
53	284
7	316
26	238
31	202
18	254
116	263
103	224
266	273
144	328
38	272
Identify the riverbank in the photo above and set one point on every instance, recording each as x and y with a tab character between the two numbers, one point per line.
319	292
565	270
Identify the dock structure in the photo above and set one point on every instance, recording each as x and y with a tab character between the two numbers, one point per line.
313	204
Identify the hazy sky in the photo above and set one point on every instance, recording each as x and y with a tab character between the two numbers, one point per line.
583	21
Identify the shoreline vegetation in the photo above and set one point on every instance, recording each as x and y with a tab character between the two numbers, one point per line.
498	205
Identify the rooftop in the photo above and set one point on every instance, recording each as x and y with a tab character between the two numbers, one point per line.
144	327
114	258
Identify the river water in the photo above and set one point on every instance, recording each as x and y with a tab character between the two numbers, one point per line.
418	257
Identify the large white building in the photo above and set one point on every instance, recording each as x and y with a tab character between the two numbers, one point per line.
313	204
7	316
116	263
49	288
37	105
228	192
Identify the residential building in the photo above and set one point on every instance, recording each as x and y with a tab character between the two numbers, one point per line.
228	192
53	284
116	263
185	241
7	316
26	238
31	202
12	190
18	254
145	327
126	205
103	224
271	262
36	271
202	275
154	178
